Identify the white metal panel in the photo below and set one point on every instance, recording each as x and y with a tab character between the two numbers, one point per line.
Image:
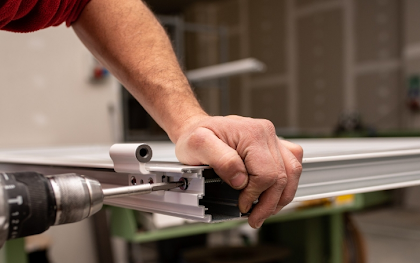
331	167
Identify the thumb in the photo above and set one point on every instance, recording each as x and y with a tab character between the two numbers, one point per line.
202	146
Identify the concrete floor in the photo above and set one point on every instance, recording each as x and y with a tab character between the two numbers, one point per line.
391	235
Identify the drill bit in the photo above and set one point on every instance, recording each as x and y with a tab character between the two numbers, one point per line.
140	189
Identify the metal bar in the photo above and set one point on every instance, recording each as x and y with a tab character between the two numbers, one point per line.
315	240
14	251
102	236
139	189
336	237
334	178
226	69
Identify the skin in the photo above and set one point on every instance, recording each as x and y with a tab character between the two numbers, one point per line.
246	153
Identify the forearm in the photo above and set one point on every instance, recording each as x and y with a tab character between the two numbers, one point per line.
127	39
244	152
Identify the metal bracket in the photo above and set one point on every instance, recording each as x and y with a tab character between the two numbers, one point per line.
130	157
220	202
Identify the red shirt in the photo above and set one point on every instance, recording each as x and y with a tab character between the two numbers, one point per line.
32	15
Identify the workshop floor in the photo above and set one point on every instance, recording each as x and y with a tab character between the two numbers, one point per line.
391	235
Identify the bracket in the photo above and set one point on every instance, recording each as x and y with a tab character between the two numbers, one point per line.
206	199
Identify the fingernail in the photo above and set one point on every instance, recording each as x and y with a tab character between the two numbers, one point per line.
259	224
238	180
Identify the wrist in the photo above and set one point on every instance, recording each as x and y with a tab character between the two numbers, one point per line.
185	124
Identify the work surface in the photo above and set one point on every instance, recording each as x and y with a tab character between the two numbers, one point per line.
315	150
331	167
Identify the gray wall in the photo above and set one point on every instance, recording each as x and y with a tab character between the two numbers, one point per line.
324	58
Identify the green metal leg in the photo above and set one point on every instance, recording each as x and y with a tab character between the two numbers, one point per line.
336	237
123	223
314	240
13	251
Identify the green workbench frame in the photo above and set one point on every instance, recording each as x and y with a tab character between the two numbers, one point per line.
308	227
311	230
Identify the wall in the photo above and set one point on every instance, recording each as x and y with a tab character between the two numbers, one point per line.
46	97
324	58
411	51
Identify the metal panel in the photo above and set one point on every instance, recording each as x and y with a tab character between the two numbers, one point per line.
267	31
380	97
378	30
331	167
320	72
270	103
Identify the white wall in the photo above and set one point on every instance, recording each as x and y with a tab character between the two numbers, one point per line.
72	243
46	97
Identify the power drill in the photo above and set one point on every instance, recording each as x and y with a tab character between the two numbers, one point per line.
30	202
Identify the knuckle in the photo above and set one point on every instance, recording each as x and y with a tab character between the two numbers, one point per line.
268	127
261	129
255	132
296	168
197	138
269	178
271	211
282	182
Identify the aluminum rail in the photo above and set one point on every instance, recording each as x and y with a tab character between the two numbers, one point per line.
330	168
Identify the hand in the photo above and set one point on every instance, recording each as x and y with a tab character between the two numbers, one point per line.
247	154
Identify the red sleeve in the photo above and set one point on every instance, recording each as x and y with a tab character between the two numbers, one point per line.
32	15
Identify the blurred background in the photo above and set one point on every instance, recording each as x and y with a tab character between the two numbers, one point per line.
332	68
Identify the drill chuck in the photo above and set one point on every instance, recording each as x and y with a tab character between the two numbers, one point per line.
30	203
76	197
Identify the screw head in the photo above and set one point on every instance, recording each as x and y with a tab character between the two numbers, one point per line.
185	185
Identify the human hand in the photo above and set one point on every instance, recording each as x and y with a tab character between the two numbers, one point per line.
247	154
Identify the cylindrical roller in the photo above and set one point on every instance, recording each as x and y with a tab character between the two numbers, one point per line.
129	157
